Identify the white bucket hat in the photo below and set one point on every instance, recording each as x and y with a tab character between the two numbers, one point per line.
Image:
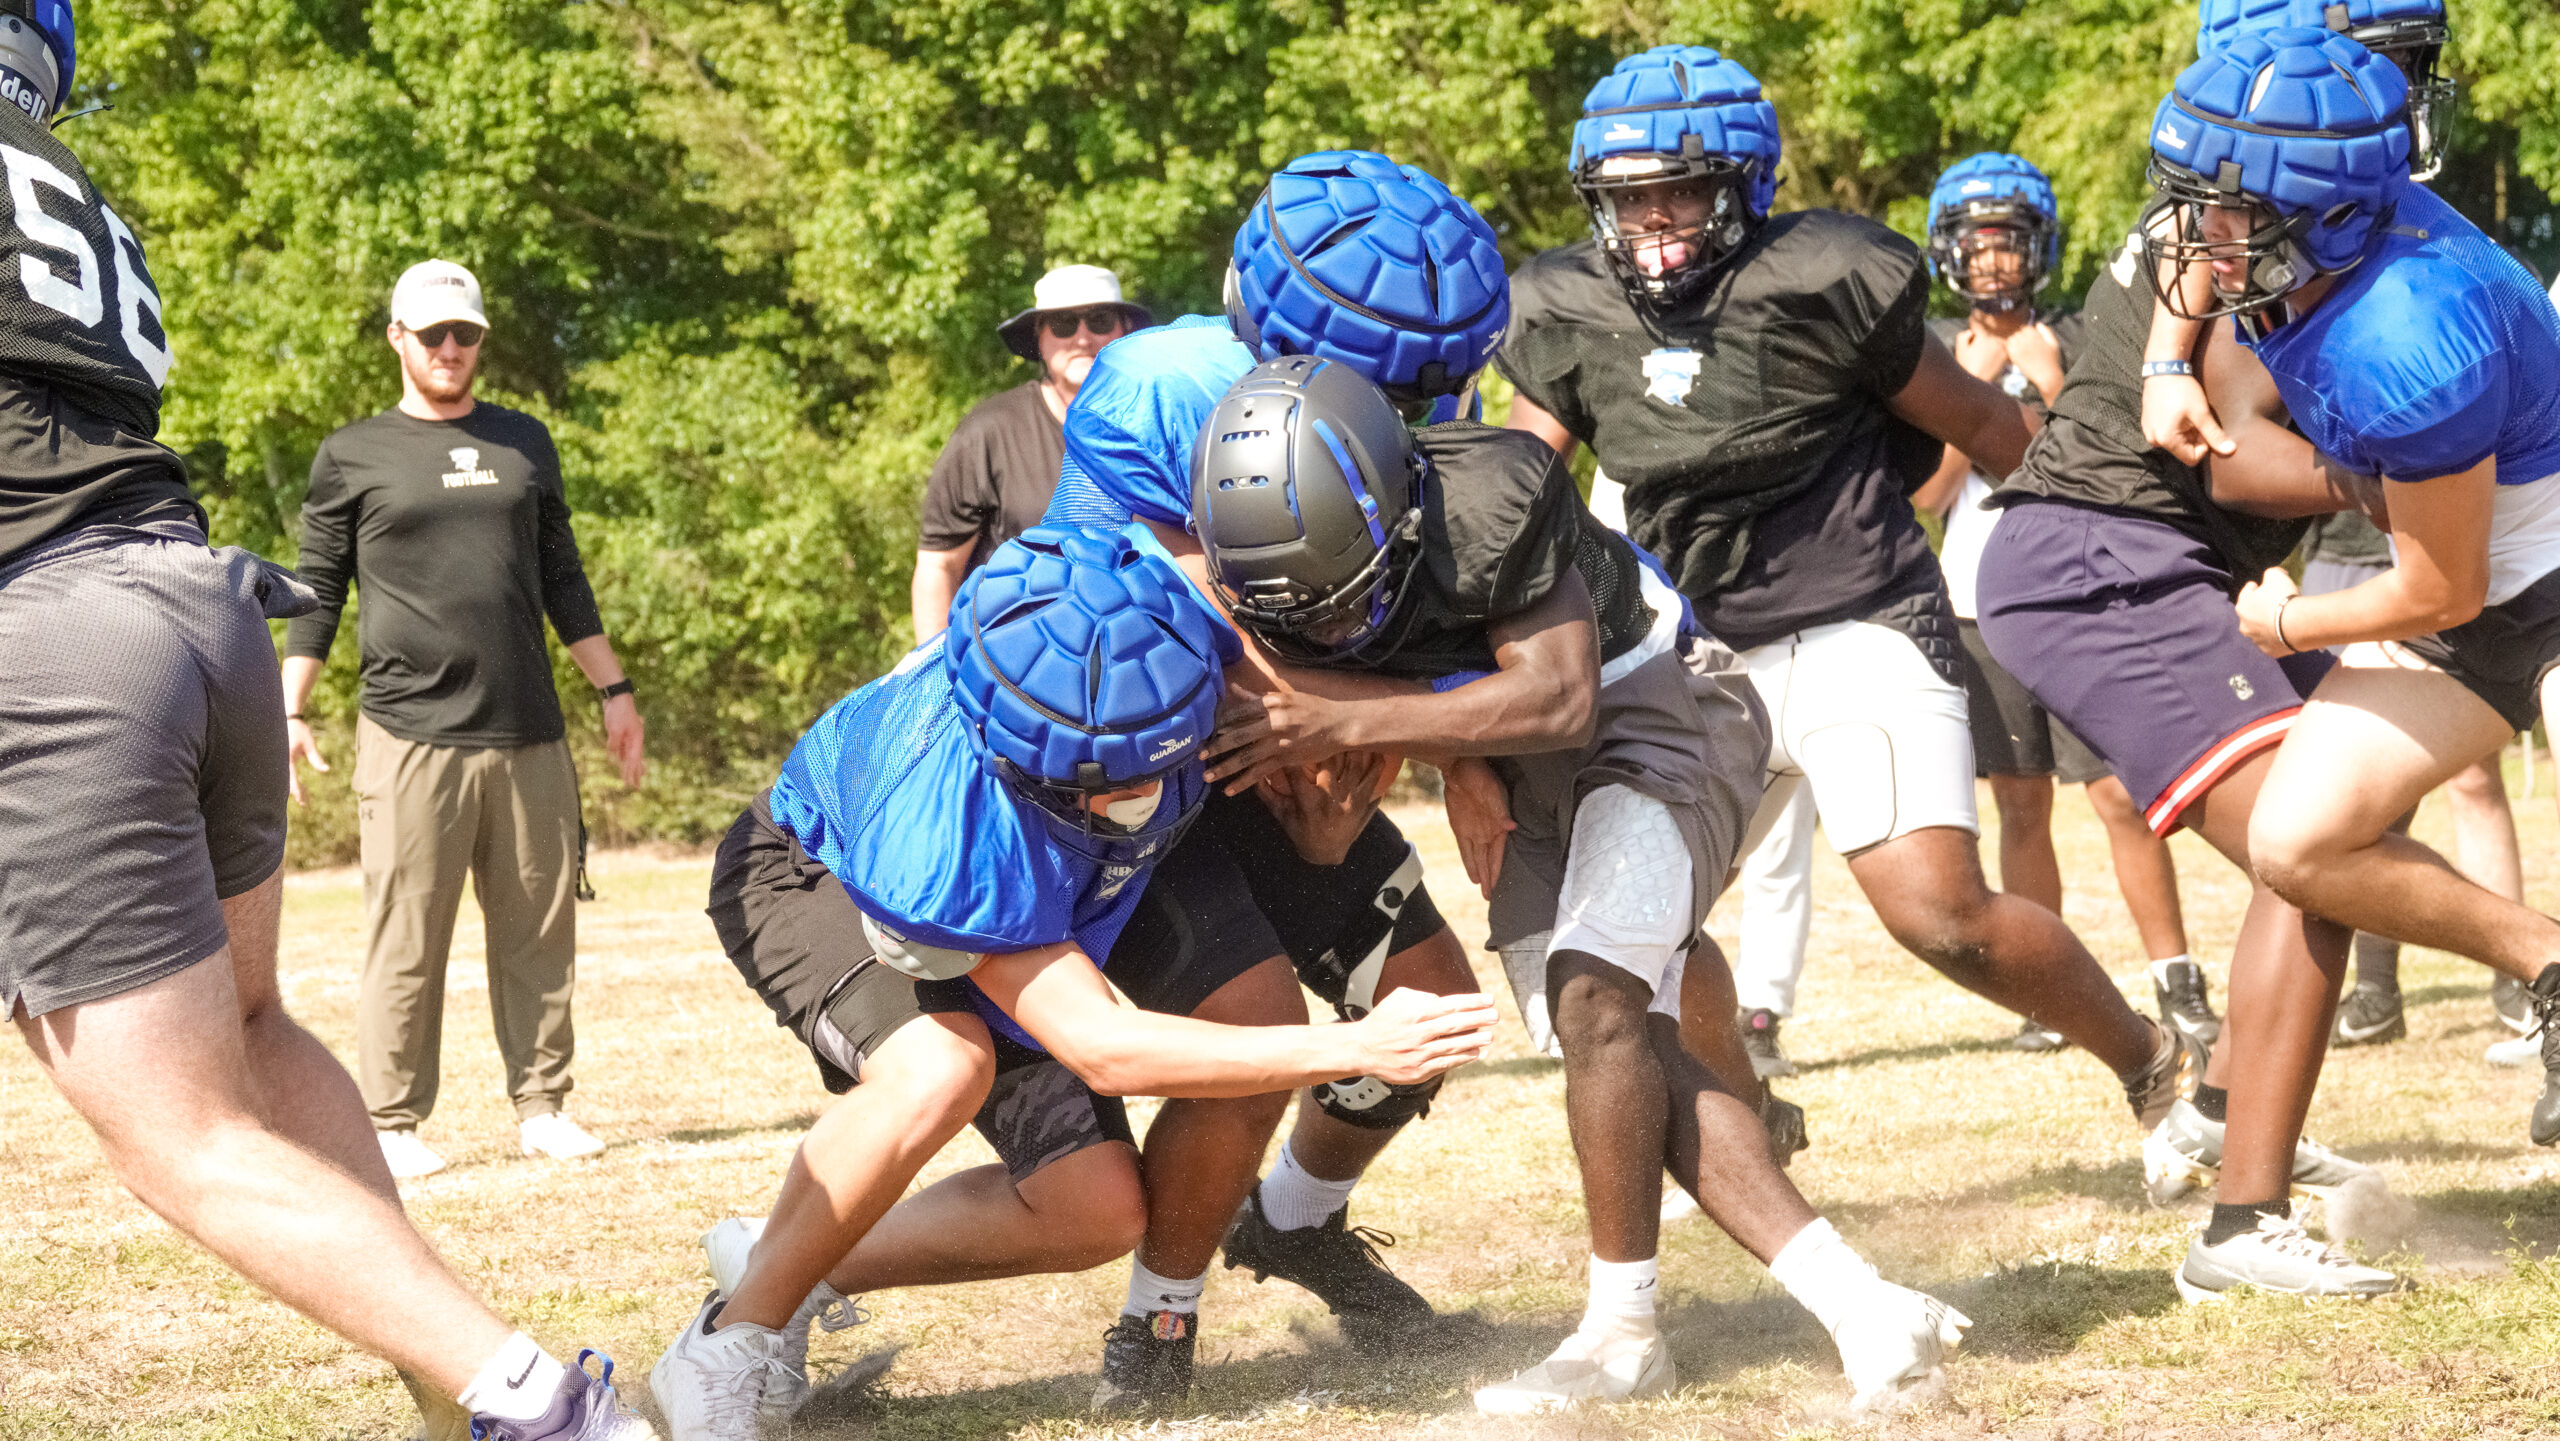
1069	287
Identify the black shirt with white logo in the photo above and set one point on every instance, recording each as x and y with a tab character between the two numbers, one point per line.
2091	450
1749	424
82	354
457	533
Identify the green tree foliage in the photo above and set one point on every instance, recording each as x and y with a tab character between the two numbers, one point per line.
746	256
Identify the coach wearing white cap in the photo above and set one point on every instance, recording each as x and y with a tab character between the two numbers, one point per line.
993	479
448	514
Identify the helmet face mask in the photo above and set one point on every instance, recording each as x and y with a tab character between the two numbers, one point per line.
1994	254
1337	629
2254	255
1077	826
1666	223
2417	47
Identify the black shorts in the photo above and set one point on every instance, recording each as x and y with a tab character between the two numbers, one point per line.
2502	654
142	757
2013	734
796	936
1327	919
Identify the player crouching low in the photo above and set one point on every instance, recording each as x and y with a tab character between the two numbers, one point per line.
926	897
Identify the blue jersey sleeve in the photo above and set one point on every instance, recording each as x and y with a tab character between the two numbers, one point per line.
2419	375
1130	432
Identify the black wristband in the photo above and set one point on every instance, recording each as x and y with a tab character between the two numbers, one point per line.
620	687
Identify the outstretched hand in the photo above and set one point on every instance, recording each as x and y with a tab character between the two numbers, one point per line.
1258	733
1413	1035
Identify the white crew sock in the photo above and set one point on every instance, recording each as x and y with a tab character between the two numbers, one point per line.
517	1384
1622	1295
1150	1292
1294	1199
1824	1274
2160	968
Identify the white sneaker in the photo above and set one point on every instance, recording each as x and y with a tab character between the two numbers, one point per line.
1900	1340
2278	1256
1611	1367
556	1136
710	1382
2516	1052
1678	1205
728	1245
409	1158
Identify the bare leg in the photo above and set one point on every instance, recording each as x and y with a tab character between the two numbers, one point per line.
2145	872
2028	867
1070	1215
1707	1031
302	1090
1715	1148
1202	1157
918	1089
1614	1101
2484	827
1333	1149
1927	888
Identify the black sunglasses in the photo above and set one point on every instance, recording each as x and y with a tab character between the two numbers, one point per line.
434	336
1100	319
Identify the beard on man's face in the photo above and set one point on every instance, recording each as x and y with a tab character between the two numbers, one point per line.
441	383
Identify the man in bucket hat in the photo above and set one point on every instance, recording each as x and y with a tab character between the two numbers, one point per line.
993	479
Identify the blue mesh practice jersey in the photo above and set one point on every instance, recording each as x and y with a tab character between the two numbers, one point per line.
1131	429
888	794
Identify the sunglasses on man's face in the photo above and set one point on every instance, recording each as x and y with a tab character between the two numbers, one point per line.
463	331
1100	319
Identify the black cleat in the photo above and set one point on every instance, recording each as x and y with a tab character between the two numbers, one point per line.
1146	1363
1379	1314
2513	1001
2186	1002
1784	1121
1760	1042
2369	1016
2545	995
2033	1036
2175	1070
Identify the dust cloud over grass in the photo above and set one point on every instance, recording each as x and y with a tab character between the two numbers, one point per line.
2007	1183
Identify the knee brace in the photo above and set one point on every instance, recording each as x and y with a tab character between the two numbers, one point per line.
1375	1105
1351	985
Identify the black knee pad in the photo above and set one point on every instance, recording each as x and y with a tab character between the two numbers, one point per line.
1375	1105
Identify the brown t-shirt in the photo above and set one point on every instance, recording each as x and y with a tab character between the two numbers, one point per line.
992	481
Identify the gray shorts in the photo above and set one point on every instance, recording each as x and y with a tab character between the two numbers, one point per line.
1686	729
142	756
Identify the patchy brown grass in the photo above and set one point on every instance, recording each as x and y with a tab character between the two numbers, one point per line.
2007	1183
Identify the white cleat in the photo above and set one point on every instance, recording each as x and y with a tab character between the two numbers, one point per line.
556	1136
1902	1339
710	1384
1585	1370
2185	1152
1679	1205
409	1158
728	1245
2278	1256
2515	1053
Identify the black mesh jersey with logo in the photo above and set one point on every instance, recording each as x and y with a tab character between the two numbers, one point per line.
82	352
2091	449
1501	524
1749	424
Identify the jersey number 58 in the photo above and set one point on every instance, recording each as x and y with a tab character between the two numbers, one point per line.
80	297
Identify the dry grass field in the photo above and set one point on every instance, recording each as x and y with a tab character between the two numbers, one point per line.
2007	1183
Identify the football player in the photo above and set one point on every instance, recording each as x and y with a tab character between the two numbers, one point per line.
1766	388
931	896
142	801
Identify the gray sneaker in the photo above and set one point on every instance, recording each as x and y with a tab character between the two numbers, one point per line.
727	1246
2278	1256
1760	1040
586	1409
2185	1151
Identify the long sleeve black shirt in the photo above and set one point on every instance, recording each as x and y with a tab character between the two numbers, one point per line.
457	532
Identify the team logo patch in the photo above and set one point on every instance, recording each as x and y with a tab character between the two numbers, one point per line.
466	468
2240	687
1166	748
1623	131
1670	373
1169	1325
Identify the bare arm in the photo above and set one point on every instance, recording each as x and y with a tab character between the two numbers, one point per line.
1967	413
2269	470
2439	576
937	580
1120	1050
623	729
1528	415
2178	413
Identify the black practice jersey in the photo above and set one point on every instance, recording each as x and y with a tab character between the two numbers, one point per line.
2068	328
2091	450
1501	524
1749	425
82	353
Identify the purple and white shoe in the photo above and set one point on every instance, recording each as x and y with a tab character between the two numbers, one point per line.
585	1409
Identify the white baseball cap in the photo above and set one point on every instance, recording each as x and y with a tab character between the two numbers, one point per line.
1069	287
434	291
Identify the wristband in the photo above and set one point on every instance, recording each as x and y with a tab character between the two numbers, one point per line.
2289	647
620	687
2151	368
293	715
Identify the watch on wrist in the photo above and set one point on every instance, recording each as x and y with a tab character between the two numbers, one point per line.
620	687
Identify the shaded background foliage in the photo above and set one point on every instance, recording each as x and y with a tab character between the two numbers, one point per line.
746	256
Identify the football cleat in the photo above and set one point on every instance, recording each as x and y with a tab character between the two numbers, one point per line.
2513	1001
2186	1001
2172	1076
710	1384
1380	1315
2370	1016
1146	1363
2278	1256
2185	1151
1784	1121
1586	1370
2034	1037
2545	996
728	1246
1760	1041
1900	1340
586	1409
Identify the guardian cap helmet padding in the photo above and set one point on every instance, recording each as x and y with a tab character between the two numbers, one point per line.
1084	666
2410	33
1672	115
1350	257
1990	198
1305	491
39	51
2304	127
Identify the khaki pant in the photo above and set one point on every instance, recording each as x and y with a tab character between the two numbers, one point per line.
427	816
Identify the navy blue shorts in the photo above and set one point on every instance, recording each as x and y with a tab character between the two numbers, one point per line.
2123	628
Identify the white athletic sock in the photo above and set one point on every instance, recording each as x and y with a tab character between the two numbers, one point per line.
1294	1199
1824	1274
2160	969
1151	1292
1622	1295
517	1384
